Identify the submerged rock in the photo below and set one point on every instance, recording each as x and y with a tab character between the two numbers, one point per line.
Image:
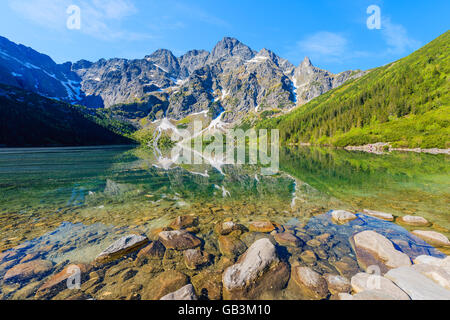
373	249
287	239
58	282
121	247
185	293
231	246
208	285
257	271
362	282
154	251
179	240
183	222
380	215
308	257
165	283
227	227
432	237
310	283
261	226
414	221
337	284
194	258
342	216
416	285
28	270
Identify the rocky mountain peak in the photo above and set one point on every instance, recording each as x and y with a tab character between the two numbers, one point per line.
165	60
231	47
306	62
191	61
267	53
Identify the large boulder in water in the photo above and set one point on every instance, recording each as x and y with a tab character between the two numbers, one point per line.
185	293
179	240
342	216
373	249
432	237
363	282
311	284
121	247
257	271
416	285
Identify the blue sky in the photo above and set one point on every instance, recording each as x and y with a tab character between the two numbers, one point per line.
332	33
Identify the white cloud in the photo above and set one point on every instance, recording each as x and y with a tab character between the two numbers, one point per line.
324	44
115	9
397	38
99	18
331	47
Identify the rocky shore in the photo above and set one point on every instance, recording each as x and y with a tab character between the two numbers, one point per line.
339	255
382	147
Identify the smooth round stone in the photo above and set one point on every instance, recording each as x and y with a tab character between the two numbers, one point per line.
373	249
380	215
261	226
310	282
183	222
365	282
231	246
414	221
28	270
337	284
342	216
185	293
439	275
432	237
444	263
194	258
287	239
179	240
227	227
121	247
155	250
258	257
416	285
371	295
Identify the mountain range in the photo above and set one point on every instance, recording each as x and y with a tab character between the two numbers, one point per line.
232	79
405	103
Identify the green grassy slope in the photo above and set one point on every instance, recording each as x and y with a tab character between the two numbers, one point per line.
30	120
406	103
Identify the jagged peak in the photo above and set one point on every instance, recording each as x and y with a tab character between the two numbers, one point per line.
266	53
306	62
229	46
161	52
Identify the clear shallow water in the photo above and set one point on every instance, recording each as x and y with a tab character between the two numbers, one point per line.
71	203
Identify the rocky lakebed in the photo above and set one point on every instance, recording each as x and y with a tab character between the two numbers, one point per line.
336	255
111	223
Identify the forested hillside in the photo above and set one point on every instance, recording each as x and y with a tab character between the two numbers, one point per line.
30	120
405	103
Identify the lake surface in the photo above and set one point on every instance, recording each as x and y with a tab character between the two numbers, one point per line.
69	204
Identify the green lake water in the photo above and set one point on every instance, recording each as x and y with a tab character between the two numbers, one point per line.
71	203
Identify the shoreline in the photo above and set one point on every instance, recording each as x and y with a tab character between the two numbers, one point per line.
382	148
